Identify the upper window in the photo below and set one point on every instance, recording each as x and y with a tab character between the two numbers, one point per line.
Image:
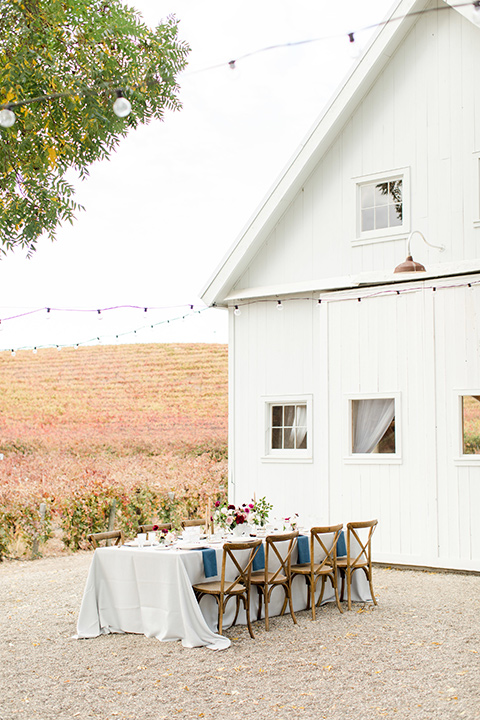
382	206
288	428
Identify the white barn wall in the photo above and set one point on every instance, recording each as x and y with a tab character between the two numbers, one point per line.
421	113
422	347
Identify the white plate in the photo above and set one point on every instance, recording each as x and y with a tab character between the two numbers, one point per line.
191	546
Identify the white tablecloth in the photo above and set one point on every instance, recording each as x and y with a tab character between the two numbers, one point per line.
149	591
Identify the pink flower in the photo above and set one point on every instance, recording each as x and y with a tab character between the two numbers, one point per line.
155	527
229	520
217	503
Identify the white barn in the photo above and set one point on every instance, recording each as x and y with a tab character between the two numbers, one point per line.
354	389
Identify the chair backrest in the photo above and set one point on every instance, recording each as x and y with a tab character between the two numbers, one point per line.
363	553
195	522
278	551
239	565
325	540
116	535
157	526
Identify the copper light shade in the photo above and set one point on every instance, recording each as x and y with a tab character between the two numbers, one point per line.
409	265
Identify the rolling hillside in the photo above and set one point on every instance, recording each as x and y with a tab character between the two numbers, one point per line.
154	414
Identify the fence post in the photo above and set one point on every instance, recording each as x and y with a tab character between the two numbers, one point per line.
36	539
111	518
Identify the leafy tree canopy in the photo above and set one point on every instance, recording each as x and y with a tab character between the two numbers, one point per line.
76	55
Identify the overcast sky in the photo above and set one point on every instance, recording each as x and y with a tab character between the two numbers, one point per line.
162	213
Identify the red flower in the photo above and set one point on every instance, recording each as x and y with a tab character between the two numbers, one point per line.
155	527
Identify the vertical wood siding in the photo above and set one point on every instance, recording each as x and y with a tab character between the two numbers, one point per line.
422	346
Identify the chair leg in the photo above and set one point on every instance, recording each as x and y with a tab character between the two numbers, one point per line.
349	588
310	599
236	610
260	595
312	596
334	585
266	599
288	590
246	603
342	589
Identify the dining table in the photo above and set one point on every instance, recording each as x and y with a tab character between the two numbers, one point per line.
148	590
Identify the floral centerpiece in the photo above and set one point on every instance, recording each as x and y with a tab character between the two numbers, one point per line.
164	536
229	517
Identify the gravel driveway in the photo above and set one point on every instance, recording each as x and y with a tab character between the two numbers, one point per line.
415	656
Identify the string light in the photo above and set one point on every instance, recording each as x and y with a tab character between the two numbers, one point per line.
475	12
103	339
354	48
237	311
7	117
279	305
121	106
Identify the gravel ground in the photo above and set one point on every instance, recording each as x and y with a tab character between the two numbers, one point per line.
416	655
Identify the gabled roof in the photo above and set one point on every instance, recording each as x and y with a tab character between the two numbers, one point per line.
353	89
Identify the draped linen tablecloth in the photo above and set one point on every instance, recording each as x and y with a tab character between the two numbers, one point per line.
149	591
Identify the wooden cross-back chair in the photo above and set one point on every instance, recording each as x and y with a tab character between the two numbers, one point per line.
159	526
239	587
96	538
278	548
359	556
196	522
323	542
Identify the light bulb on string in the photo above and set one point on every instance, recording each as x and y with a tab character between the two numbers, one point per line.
237	311
121	106
354	48
34	350
48	313
13	353
475	12
100	316
7	118
279	305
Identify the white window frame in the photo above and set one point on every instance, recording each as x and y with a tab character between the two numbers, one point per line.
382	234
352	458
268	454
463	458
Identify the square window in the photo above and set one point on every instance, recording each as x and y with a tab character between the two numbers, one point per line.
470	405
382	206
373	426
288	428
